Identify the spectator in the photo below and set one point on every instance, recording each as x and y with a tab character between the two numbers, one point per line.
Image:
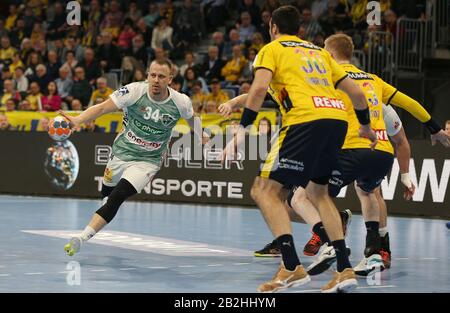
245	27
9	92
210	107
218	41
447	127
198	96
72	44
108	53
176	84
91	66
16	62
145	31
235	39
126	36
233	69
12	17
18	33
4	123
138	50
41	77
152	16
53	64
390	23
113	19
215	13
6	51
76	105
25	105
102	92
189	60
64	82
247	71
134	14
29	19
188	22
190	77
217	94
270	5
253	9
264	127
212	66
91	127
264	28
11	105
94	14
21	80
81	89
37	33
245	88
58	26
162	35
311	26
257	42
43	124
358	12
70	61
129	67
319	7
139	76
34	97
51	101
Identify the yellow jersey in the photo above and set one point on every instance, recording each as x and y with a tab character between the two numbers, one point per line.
377	92
303	83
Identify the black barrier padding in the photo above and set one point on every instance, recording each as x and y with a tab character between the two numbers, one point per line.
23	157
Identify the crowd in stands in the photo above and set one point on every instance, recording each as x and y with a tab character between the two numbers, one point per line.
47	64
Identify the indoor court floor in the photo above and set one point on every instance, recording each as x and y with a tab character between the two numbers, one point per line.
178	248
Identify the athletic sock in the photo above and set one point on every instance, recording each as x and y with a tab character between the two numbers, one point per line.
373	240
87	233
289	255
341	255
383	231
319	230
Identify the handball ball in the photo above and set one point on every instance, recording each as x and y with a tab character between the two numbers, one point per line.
59	129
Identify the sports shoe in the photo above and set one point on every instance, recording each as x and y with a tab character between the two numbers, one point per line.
284	279
344	281
324	261
73	246
313	245
270	250
386	257
368	265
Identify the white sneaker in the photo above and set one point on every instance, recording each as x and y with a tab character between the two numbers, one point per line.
370	264
323	262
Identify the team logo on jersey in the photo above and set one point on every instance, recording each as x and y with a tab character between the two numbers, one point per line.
396	125
167	119
122	91
359	76
144	144
306	45
331	103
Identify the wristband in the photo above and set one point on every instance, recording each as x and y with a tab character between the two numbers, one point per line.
363	116
406	180
432	126
248	117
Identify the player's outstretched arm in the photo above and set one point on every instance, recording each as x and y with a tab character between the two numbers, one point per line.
361	109
226	108
91	113
195	124
403	151
407	103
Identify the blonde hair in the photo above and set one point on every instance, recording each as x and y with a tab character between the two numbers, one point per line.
341	46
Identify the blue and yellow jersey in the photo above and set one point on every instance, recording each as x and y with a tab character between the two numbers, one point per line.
303	81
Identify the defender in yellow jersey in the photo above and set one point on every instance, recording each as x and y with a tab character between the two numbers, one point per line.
301	78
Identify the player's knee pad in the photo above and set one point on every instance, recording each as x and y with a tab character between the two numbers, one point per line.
106	190
118	195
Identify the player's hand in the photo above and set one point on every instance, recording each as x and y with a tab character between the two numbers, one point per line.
225	109
73	121
231	150
366	131
205	138
442	137
409	192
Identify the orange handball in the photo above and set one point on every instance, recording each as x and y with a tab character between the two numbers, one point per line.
59	129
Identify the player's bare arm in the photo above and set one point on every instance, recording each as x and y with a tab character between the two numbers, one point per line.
91	113
403	151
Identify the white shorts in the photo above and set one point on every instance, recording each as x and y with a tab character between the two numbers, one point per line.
138	173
